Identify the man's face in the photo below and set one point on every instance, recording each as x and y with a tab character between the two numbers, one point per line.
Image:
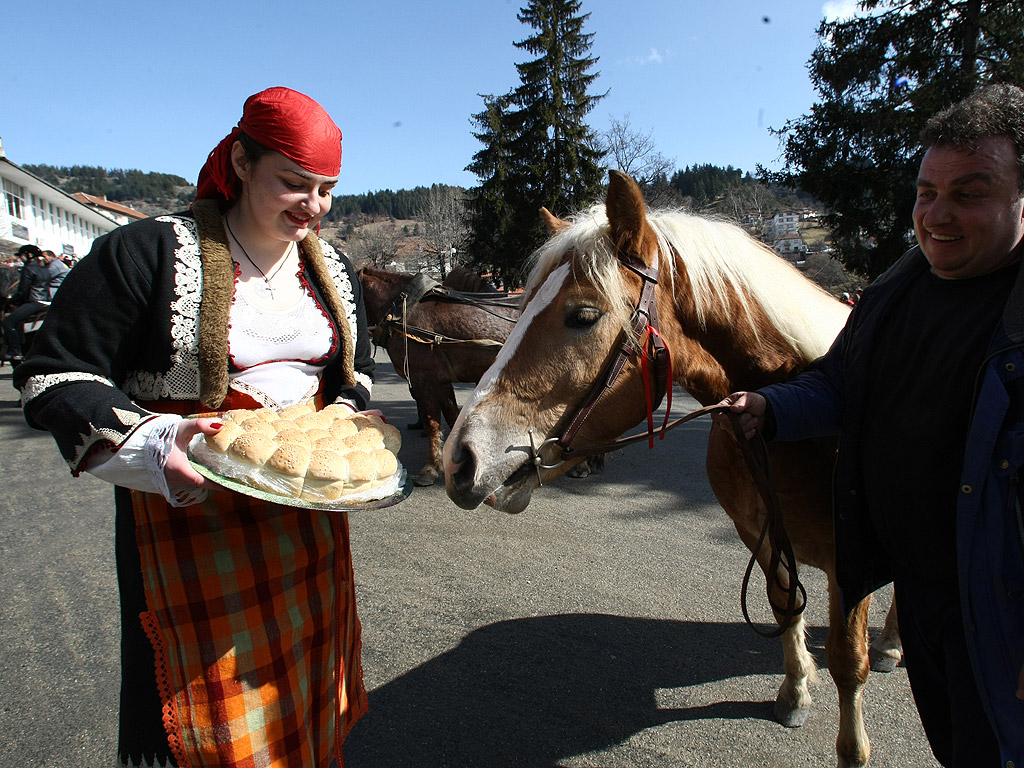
969	215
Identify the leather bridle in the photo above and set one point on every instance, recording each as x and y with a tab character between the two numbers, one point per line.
643	339
641	336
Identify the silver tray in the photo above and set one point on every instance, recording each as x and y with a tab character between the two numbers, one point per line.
337	505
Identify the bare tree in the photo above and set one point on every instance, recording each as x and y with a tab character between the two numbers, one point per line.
377	244
634	153
445	227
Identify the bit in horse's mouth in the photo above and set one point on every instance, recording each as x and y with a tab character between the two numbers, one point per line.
518	475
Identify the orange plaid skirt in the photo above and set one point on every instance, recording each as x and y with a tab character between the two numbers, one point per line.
252	615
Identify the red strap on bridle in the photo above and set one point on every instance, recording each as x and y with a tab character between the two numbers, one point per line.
653	346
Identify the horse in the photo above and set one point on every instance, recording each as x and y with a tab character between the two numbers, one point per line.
734	316
436	336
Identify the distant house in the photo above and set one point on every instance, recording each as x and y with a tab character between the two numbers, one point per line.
122	214
35	212
789	244
784	223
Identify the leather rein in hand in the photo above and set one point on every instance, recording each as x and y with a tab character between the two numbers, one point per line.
643	334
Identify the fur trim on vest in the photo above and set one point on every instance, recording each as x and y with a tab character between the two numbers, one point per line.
218	289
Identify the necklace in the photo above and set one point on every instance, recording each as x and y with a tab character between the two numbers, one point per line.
266	290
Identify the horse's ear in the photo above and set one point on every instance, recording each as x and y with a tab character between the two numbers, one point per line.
626	213
552	222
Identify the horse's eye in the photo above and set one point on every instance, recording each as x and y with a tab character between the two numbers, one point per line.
582	317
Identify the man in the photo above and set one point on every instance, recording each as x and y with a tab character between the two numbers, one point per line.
41	275
925	386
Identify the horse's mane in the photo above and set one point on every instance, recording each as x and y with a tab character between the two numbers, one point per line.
717	255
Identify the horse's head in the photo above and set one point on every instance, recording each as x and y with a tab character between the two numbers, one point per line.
734	315
578	304
380	287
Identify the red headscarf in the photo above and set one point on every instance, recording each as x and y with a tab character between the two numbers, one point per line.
285	121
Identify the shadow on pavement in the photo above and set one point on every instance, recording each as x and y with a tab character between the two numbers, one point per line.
531	691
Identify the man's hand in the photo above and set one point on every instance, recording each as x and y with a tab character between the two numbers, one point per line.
751	408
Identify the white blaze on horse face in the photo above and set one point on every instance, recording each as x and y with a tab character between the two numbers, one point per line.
489	434
538	303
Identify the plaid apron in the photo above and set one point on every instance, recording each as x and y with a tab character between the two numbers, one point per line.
252	616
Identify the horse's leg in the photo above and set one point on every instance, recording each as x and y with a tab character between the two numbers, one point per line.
449	404
739	498
847	655
886	649
793	701
432	431
429	405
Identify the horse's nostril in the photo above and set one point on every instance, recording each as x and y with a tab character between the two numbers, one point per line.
462	465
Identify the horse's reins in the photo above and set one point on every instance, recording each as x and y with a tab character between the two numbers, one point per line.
643	327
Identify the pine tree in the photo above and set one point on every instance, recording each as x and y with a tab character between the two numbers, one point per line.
549	155
490	219
879	78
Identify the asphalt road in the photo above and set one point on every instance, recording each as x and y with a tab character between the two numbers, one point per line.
600	627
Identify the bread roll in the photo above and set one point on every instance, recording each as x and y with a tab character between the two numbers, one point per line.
289	462
362	420
343	428
326	476
391	437
338	411
236	415
328	444
385	463
253	448
364	440
297	410
314	421
361	468
317	434
221	440
255	424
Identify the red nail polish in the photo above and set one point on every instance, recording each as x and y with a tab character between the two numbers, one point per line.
216	424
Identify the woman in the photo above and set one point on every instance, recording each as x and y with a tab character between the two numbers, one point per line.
240	641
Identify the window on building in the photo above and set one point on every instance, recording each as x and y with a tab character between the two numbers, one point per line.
14	195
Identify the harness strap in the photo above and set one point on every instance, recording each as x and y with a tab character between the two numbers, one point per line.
644	316
421	288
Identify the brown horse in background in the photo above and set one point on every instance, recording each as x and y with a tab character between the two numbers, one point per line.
735	317
436	335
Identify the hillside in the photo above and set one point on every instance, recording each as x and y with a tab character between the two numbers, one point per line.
389	218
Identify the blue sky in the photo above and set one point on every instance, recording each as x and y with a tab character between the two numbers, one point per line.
155	86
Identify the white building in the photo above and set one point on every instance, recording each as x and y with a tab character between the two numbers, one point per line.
788	244
33	211
785	223
121	214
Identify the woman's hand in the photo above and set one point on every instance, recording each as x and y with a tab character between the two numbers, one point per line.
185	484
751	408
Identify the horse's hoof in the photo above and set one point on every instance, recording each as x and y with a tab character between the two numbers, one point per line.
791	717
424	479
581	470
882	661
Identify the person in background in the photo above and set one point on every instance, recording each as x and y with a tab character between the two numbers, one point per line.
240	639
925	386
41	276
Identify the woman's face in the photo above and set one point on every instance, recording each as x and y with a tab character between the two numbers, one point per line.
280	199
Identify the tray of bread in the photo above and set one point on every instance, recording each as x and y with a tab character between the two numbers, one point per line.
331	459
